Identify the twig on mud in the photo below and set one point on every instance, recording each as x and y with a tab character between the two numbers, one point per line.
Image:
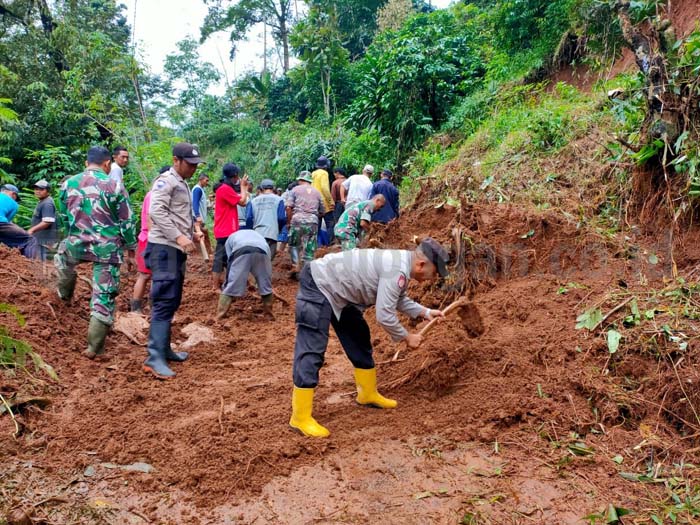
137	513
667	410
57	499
19	277
617	308
52	310
322	518
571	400
12	415
388	361
221	416
132	338
680	383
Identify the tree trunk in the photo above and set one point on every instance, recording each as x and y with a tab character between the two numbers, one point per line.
284	34
663	118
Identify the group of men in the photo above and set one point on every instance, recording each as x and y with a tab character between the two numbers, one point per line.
334	290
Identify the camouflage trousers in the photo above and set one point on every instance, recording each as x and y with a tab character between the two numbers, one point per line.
304	237
105	285
348	241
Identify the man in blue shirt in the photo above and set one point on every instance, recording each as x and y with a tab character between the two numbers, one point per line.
200	208
267	215
385	187
11	234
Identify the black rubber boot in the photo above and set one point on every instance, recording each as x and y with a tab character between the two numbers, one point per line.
158	346
136	305
97	333
171	355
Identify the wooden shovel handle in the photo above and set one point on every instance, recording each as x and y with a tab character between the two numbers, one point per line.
202	246
459	302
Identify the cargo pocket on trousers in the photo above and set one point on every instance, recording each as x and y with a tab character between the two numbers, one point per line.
164	289
316	316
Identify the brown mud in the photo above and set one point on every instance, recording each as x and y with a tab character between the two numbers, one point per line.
489	405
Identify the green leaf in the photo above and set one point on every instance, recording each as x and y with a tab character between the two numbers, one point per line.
653	259
589	319
613	340
618	459
580	449
528	234
615	513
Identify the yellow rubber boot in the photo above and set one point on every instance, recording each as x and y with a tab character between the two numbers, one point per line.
302	405
367	389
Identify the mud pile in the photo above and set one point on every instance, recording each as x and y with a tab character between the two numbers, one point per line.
512	370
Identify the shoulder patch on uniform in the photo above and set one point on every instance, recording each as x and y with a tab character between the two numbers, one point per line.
402	281
160	184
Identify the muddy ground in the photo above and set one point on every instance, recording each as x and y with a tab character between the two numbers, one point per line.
525	421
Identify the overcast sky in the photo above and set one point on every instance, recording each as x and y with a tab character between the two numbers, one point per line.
160	24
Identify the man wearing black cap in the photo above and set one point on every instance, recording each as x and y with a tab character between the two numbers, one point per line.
170	239
334	291
267	215
11	234
44	219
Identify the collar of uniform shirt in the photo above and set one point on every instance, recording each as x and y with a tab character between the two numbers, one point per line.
174	172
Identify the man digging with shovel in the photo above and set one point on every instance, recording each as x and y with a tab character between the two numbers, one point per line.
333	291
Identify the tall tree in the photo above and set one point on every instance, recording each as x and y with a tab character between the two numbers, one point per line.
318	43
239	16
188	74
67	66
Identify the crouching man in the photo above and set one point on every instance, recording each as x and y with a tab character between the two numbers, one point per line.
247	252
333	291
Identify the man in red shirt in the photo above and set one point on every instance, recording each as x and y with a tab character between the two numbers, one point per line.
227	201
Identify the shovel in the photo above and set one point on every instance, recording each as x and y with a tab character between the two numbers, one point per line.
202	246
457	305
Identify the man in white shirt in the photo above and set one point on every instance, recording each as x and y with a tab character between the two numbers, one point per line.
358	187
120	158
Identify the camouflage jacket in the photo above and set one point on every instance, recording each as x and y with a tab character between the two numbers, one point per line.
97	216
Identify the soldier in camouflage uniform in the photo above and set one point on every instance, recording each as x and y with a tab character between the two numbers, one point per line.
354	221
100	225
304	205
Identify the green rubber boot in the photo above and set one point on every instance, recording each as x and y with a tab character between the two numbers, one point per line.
223	306
97	333
66	284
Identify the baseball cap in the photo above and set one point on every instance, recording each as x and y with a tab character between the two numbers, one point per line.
305	176
187	151
267	184
368	168
436	254
12	188
42	184
322	162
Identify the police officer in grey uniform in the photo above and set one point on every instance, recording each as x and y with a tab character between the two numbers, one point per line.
333	291
170	238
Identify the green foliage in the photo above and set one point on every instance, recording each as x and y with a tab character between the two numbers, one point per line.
356	150
15	353
70	74
240	16
190	76
318	43
52	163
411	78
